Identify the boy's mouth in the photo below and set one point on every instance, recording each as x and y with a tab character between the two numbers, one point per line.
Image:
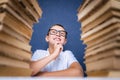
57	39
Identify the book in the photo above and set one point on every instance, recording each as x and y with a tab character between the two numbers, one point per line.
103	29
86	8
17	10
109	41
104	73
14	42
15	25
100	26
6	61
16	22
83	5
103	54
30	9
30	17
4	28
100	20
7	71
108	63
14	52
114	44
104	25
110	35
110	4
36	6
5	7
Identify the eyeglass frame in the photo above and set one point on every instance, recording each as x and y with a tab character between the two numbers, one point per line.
57	32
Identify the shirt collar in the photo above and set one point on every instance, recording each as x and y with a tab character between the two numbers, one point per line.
49	52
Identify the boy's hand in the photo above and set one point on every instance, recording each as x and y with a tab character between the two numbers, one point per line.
58	48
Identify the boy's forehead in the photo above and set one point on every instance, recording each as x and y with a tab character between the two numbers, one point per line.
57	27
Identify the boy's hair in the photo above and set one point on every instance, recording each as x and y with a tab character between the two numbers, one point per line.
57	25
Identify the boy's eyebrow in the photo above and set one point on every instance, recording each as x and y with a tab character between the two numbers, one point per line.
57	30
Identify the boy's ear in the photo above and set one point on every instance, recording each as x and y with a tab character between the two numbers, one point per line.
46	38
65	41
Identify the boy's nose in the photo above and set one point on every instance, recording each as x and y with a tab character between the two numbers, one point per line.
58	34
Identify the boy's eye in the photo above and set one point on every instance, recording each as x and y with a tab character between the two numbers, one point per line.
53	31
62	34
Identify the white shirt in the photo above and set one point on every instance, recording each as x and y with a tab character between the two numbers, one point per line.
64	60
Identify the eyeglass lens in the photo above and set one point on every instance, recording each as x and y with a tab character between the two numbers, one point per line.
61	32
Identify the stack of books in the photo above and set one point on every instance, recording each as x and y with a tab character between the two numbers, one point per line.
100	26
16	21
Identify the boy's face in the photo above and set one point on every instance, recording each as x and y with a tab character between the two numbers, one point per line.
57	35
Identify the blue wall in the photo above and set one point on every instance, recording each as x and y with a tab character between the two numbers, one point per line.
62	12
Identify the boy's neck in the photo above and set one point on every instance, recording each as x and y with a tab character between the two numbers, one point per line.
51	50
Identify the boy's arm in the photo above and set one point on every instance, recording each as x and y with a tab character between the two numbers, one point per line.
36	66
75	70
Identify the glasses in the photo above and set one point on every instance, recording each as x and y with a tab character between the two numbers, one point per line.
61	32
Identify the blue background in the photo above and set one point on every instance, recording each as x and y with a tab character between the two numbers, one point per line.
62	12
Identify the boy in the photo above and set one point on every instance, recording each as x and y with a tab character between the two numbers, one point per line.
55	61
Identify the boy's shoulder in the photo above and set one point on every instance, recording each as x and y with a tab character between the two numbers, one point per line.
40	50
67	51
